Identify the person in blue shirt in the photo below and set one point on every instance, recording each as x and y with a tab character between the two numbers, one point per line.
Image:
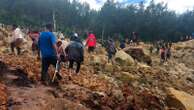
47	45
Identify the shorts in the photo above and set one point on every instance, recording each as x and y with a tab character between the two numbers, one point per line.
91	49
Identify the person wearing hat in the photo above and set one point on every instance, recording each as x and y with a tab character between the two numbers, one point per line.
76	38
75	53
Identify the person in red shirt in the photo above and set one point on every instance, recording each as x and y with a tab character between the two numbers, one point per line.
91	42
35	36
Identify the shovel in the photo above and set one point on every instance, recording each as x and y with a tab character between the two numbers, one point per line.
56	71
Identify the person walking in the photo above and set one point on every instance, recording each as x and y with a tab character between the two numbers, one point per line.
91	42
162	55
111	50
34	35
75	53
47	45
17	39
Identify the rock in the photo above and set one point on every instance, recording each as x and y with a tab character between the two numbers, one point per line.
109	68
117	68
123	59
101	94
139	55
180	99
118	95
98	59
126	68
4	50
141	65
126	77
109	79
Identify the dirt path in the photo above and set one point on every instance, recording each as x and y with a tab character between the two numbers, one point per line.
25	98
23	94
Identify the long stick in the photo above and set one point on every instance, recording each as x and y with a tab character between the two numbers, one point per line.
56	71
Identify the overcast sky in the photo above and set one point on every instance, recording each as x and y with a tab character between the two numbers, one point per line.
177	5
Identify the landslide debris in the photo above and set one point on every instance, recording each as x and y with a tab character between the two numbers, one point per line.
101	85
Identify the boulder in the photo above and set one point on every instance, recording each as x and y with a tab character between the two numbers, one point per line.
180	99
123	59
138	54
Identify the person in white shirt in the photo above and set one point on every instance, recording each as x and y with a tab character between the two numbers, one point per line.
17	39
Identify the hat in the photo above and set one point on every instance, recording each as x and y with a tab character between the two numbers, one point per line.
75	34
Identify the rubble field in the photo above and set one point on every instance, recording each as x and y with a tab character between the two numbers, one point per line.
134	82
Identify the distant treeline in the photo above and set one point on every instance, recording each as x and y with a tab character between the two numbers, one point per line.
152	22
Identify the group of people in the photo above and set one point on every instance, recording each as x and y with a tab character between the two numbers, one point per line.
163	49
185	38
53	51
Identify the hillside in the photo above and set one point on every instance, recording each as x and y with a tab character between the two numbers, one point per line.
127	85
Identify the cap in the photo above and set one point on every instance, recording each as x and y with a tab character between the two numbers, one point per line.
75	34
